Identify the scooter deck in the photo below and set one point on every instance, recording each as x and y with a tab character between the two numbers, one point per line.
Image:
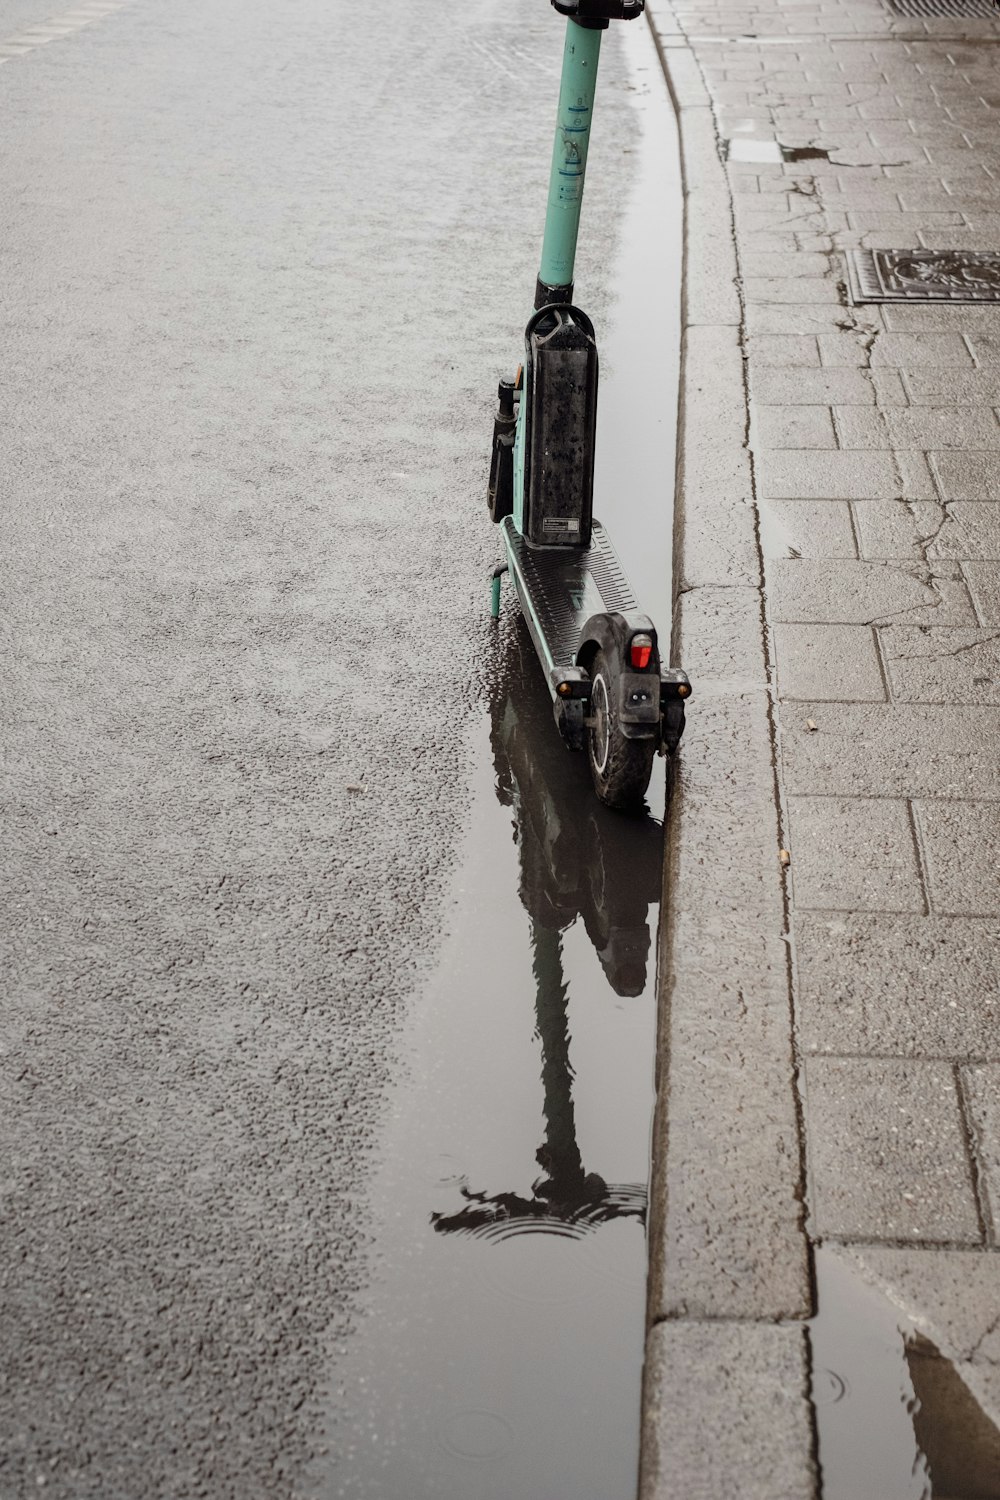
561	587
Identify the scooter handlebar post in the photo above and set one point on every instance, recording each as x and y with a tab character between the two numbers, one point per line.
581	56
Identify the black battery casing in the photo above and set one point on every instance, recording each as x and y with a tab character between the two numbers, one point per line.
561	361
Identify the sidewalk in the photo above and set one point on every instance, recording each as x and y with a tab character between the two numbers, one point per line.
830	1058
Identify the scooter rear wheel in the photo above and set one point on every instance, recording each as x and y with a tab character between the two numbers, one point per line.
620	768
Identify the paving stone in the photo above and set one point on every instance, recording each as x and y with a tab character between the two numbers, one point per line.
729	1239
806	528
710	281
982	1086
734	862
909	351
887	1151
889	390
930	317
844	350
790	289
828	476
968	476
950	239
853	854
937	200
866	593
782	263
888	750
903	225
862	428
828	321
915	476
951	388
718	638
898	528
985	346
762	245
714	481
961	841
783	351
711	272
906	985
964	1430
793	387
752	219
928	665
983	579
792	427
821	663
727	1413
815	243
921	427
950	1296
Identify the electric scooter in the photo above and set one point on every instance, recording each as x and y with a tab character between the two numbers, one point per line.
599	652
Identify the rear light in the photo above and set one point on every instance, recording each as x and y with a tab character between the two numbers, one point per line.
640	650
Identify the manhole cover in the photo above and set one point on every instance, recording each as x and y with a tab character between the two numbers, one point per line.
981	9
924	275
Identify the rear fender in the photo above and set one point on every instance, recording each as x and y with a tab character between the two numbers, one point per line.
611	634
637	693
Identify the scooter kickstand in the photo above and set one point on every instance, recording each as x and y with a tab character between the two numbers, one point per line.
495	577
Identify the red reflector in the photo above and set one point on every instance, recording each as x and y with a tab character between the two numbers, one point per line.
640	650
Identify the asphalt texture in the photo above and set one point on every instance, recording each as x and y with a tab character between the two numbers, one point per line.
261	267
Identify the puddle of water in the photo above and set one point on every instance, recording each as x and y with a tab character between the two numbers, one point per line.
743	148
806	153
895	1420
640	352
776	538
501	1349
499	1353
862	1391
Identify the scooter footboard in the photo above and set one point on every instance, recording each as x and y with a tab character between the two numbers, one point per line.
561	588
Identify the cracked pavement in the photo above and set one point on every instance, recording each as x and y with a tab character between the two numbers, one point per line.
838	604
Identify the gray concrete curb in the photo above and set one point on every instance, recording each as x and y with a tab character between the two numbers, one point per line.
725	1407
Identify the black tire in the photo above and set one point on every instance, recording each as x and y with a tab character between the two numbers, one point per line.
620	768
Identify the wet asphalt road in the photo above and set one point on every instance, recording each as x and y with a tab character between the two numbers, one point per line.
261	265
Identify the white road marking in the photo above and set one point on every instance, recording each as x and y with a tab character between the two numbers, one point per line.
58	27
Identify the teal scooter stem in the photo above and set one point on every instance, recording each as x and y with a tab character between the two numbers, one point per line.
598	651
581	56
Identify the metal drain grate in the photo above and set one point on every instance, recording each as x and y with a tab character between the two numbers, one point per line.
924	275
985	10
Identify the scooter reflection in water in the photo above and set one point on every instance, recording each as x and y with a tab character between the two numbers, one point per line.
578	859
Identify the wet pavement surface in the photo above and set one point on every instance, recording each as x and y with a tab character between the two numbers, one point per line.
257	296
895	1417
830	1052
